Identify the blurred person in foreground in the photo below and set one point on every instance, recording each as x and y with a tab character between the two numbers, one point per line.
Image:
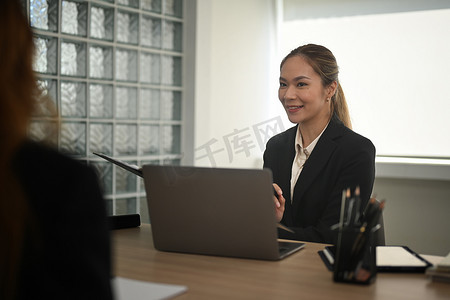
54	240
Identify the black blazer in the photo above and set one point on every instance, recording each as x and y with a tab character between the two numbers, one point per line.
67	249
340	159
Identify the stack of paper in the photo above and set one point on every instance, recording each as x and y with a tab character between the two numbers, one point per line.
129	289
441	271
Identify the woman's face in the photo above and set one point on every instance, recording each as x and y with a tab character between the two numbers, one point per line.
302	93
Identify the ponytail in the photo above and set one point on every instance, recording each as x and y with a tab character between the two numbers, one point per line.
339	107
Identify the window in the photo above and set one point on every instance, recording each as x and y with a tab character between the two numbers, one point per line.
114	71
393	58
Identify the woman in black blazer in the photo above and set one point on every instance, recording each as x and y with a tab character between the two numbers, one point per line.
314	161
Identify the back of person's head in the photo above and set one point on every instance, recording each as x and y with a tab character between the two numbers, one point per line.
324	63
17	79
17	91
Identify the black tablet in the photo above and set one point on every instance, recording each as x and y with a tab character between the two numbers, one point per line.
389	259
400	259
132	168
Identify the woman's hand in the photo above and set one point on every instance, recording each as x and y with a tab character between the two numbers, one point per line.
279	202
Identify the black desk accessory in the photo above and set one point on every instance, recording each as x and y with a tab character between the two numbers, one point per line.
124	221
355	260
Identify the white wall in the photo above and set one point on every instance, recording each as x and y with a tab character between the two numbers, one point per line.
416	214
235	78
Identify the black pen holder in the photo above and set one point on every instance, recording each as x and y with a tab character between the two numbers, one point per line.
355	260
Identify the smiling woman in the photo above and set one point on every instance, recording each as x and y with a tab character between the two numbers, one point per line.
314	161
303	95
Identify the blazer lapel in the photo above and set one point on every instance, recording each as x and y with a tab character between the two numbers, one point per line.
289	159
317	161
286	176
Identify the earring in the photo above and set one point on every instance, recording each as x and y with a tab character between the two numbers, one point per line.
328	99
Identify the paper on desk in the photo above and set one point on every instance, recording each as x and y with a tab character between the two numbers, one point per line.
397	256
129	289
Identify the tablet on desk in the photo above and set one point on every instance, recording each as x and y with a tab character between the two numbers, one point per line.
389	259
129	167
400	259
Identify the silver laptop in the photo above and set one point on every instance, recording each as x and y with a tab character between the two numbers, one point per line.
214	211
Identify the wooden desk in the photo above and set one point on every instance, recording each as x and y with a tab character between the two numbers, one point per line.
299	276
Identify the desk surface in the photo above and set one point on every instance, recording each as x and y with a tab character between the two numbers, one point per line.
300	276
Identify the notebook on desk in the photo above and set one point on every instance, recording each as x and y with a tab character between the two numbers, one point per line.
214	211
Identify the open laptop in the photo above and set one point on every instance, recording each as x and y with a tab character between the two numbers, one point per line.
214	211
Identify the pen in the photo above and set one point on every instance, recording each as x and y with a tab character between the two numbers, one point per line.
349	204
357	205
369	223
276	196
279	225
340	225
275	193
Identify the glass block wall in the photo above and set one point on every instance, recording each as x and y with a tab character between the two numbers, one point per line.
113	71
